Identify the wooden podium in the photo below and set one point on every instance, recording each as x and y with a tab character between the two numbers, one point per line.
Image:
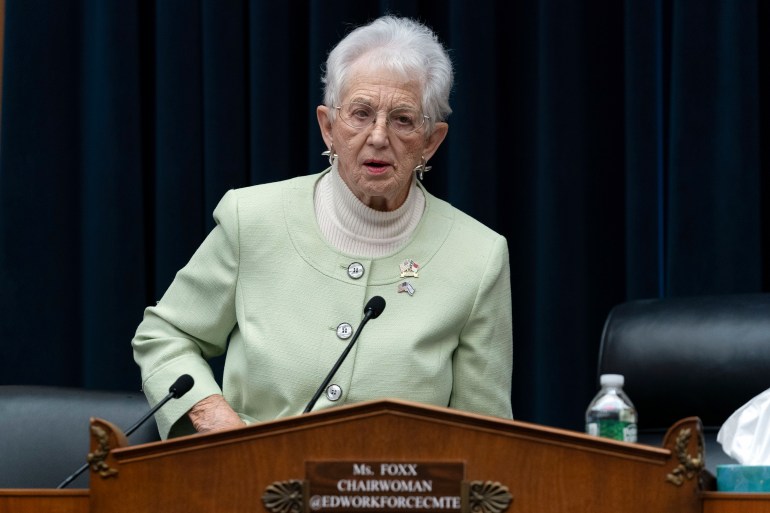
391	456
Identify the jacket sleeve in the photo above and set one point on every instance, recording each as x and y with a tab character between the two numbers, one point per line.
483	360
191	323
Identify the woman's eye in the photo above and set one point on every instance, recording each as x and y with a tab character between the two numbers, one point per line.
402	119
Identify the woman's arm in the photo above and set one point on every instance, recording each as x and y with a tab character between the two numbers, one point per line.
483	360
191	324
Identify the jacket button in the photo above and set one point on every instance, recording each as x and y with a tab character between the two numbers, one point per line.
334	392
344	331
355	270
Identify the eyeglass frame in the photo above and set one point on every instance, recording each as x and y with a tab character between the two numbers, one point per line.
425	118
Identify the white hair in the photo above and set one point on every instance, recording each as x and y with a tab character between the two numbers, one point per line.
399	45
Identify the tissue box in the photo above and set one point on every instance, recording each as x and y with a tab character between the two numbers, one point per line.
743	478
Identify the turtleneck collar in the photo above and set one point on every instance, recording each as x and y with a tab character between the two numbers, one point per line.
354	228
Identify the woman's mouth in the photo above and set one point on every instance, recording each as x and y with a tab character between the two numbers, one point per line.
376	166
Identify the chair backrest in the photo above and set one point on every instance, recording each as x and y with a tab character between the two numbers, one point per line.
697	356
44	431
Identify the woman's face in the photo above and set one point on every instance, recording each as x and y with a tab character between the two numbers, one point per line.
377	162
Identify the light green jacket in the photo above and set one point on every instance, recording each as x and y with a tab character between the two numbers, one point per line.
266	279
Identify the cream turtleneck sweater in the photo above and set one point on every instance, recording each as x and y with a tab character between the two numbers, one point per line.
354	228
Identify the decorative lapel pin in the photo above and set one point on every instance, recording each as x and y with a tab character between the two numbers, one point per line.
409	268
406	287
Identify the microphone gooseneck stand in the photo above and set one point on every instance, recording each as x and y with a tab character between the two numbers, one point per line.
181	386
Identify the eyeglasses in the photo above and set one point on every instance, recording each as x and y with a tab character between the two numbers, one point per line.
401	119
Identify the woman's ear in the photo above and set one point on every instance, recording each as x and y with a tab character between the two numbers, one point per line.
325	124
435	139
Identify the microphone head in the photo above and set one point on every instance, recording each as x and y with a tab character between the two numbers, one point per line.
181	386
375	305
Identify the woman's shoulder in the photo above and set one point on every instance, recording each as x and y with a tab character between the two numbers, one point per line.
265	196
464	226
273	190
468	248
263	201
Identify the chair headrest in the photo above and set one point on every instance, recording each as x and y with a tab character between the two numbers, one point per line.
703	356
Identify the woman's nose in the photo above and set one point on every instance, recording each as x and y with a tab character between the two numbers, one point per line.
379	133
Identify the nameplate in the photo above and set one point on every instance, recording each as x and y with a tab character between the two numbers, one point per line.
378	486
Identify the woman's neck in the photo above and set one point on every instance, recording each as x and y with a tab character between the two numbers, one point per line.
354	228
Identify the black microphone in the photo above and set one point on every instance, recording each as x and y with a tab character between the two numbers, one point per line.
181	386
372	310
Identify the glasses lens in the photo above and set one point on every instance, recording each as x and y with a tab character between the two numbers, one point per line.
403	119
357	115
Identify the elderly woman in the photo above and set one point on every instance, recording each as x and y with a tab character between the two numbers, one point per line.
282	280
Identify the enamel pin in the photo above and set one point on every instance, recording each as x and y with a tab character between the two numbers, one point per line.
406	287
409	268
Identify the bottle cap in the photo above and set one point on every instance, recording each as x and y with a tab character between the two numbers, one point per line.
612	380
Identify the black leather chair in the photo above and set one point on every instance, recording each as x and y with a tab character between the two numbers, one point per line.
697	356
44	431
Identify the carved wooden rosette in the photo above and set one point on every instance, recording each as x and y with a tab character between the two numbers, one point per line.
286	496
686	442
477	497
105	437
485	497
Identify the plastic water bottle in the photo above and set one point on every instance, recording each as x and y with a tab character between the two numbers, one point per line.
612	414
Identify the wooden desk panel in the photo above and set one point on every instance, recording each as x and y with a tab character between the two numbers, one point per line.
545	470
30	500
723	502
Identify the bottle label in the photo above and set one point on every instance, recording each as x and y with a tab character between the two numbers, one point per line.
613	428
